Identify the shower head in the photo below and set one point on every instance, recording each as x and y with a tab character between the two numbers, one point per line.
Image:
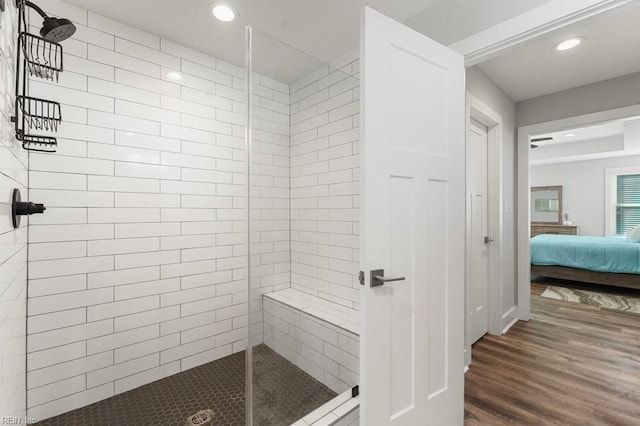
57	29
53	29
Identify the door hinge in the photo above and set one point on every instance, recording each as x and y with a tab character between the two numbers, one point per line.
361	277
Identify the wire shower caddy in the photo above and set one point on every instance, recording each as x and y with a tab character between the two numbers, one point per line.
39	58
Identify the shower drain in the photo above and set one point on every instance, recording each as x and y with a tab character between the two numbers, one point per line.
204	417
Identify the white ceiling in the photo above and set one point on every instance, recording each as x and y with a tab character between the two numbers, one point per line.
611	49
597	131
452	20
323	29
617	138
326	29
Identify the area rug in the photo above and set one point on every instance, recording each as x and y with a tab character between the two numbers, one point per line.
601	300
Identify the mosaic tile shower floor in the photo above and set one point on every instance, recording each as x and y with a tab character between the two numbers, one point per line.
282	394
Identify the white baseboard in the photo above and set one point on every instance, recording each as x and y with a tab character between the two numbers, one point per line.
509	318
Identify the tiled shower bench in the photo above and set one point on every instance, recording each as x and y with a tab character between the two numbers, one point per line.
320	337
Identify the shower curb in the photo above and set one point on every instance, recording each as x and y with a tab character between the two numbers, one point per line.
343	410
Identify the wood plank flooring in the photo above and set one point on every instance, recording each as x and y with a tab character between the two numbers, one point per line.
571	364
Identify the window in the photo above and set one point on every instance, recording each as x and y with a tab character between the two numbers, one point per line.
627	202
623	200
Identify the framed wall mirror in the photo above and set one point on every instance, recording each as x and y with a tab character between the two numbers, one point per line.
546	205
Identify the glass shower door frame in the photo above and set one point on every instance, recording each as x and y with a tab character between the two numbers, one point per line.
248	146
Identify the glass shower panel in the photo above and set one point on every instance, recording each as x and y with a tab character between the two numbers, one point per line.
298	109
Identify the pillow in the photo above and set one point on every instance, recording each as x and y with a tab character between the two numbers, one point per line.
634	234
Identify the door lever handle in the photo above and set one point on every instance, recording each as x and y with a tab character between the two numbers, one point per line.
378	278
488	240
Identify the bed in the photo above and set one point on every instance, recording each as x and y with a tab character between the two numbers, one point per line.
612	261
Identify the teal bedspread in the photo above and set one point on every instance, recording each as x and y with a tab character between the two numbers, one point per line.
602	254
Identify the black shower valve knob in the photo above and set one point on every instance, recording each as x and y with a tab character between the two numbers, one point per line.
28	208
23	208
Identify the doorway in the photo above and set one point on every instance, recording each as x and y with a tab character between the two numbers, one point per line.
484	160
524	184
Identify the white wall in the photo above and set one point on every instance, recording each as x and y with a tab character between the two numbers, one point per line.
604	95
488	92
325	183
13	243
137	270
583	189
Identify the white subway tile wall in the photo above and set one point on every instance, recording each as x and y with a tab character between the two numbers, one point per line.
328	352
270	204
325	183
138	267
13	243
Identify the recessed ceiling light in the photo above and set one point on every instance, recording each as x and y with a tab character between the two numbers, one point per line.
223	12
172	75
569	135
568	43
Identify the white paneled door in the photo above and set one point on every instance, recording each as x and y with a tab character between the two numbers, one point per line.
479	238
412	226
